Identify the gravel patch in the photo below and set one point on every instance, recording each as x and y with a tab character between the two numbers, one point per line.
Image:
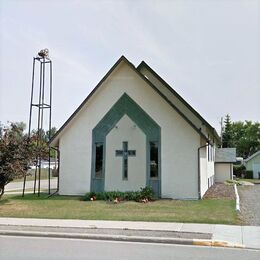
220	191
250	204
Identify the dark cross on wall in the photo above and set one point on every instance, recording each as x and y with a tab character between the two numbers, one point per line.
125	153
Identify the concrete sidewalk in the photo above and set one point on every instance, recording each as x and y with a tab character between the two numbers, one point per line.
221	235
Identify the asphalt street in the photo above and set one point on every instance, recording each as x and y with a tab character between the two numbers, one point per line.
12	247
15	186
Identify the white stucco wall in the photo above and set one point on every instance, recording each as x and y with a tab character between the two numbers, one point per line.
128	131
207	169
203	170
175	100
75	164
179	141
223	172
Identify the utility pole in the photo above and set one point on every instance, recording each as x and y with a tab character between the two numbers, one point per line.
221	131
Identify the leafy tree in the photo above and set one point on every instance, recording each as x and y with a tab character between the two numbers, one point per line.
17	153
244	136
50	134
45	135
41	134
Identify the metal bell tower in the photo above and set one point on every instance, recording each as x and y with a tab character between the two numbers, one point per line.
41	110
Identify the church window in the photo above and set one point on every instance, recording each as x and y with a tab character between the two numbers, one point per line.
99	160
153	159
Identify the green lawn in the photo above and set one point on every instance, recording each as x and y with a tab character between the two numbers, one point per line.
68	207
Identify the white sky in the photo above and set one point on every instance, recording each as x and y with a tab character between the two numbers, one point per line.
208	51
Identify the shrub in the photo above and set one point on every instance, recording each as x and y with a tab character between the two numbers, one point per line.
89	195
232	182
239	170
111	195
144	193
249	174
132	195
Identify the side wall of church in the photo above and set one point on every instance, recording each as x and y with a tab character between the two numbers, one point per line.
207	168
179	141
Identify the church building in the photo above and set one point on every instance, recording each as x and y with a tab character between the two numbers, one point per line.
133	130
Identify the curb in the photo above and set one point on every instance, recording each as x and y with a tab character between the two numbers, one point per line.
237	199
122	238
216	243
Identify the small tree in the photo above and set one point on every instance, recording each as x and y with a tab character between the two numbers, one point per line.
227	134
17	153
50	133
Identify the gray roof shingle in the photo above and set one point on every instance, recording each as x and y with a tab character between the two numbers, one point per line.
225	155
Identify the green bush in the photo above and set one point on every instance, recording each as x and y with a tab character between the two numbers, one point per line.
232	182
144	193
249	174
239	170
111	195
89	195
132	195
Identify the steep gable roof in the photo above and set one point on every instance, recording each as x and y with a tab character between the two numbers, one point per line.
137	70
163	86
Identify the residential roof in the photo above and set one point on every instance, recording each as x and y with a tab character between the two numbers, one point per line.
252	156
225	155
146	79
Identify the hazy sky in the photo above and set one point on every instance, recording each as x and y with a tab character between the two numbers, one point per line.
208	51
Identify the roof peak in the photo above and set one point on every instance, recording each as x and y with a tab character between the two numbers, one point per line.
143	63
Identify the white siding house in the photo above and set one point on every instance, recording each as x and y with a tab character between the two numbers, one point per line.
132	131
252	163
225	157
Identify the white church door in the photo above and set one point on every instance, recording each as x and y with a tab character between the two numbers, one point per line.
126	152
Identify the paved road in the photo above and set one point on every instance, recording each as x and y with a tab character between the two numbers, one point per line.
14	186
250	204
57	248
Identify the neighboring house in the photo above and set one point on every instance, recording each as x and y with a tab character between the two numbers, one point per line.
53	164
239	161
225	157
45	164
132	131
252	163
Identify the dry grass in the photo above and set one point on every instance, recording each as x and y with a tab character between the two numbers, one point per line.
68	207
